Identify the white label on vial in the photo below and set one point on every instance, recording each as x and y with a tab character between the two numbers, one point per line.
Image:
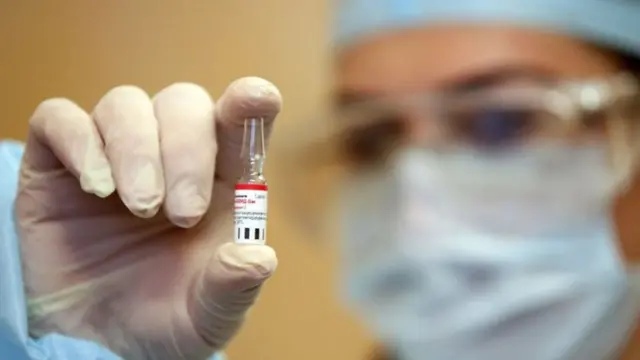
251	214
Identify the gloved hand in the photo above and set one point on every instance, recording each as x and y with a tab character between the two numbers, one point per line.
125	219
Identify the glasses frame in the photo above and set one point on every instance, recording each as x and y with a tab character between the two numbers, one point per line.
567	100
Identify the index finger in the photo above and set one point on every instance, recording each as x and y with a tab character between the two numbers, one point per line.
245	98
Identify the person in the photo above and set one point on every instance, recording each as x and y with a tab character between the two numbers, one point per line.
485	144
125	229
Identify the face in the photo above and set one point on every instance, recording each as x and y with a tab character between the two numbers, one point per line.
471	74
463	59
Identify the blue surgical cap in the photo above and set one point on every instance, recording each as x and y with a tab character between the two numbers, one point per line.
611	23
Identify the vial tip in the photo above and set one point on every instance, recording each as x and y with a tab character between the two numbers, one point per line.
253	146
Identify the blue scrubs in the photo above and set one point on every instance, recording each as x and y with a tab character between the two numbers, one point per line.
15	343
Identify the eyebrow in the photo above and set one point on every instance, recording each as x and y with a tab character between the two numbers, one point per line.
464	84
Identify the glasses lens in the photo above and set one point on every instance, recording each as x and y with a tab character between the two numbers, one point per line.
369	136
492	127
373	142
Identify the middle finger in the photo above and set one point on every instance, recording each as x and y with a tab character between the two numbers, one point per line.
188	147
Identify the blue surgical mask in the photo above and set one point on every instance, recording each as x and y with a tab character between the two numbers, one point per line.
470	256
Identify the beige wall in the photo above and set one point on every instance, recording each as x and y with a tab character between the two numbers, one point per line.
79	49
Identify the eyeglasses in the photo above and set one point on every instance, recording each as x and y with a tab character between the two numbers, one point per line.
364	135
491	119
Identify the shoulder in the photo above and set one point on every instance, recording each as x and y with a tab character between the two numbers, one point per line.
11	153
10	157
13	324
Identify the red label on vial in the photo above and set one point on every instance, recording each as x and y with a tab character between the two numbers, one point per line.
255	187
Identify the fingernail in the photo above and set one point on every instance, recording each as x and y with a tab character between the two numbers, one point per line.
146	195
259	258
98	179
260	88
189	205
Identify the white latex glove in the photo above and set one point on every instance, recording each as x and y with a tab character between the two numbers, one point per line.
125	219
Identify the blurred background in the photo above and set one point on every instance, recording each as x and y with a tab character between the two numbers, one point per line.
81	49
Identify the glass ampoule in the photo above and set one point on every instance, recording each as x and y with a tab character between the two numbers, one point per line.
251	189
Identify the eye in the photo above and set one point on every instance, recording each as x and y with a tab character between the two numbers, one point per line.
594	121
371	144
491	127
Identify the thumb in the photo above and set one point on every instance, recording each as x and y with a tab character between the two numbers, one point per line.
227	288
